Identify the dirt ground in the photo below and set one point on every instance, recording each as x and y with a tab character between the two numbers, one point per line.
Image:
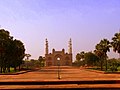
66	73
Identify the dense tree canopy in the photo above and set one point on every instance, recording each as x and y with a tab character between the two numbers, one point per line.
11	51
91	59
80	56
41	60
116	43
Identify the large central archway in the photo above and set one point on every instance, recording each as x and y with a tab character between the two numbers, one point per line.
56	59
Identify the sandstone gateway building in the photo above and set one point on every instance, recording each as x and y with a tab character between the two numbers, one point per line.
52	58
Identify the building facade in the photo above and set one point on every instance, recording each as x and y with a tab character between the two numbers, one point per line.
65	59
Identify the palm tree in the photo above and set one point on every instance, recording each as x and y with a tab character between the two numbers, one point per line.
116	43
100	54
27	58
102	48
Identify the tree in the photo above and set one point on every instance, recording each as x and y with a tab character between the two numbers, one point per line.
100	55
113	64
18	54
80	58
91	59
27	58
41	60
116	43
11	51
4	43
101	49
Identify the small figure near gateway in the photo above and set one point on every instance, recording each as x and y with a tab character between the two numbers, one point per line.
65	58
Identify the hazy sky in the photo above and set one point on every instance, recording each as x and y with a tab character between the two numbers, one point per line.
85	21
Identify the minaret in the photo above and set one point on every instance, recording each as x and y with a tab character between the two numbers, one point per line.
46	46
70	47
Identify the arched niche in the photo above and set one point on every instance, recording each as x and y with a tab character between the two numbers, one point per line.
56	61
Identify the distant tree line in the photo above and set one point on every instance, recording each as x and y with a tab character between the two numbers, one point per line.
12	52
31	64
99	56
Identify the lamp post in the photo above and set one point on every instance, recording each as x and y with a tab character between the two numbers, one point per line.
58	59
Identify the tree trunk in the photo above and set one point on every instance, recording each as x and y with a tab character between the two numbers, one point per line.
15	69
106	64
8	69
4	69
40	65
101	65
19	67
119	56
0	69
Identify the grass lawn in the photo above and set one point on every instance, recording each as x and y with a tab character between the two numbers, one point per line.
118	68
11	71
108	70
